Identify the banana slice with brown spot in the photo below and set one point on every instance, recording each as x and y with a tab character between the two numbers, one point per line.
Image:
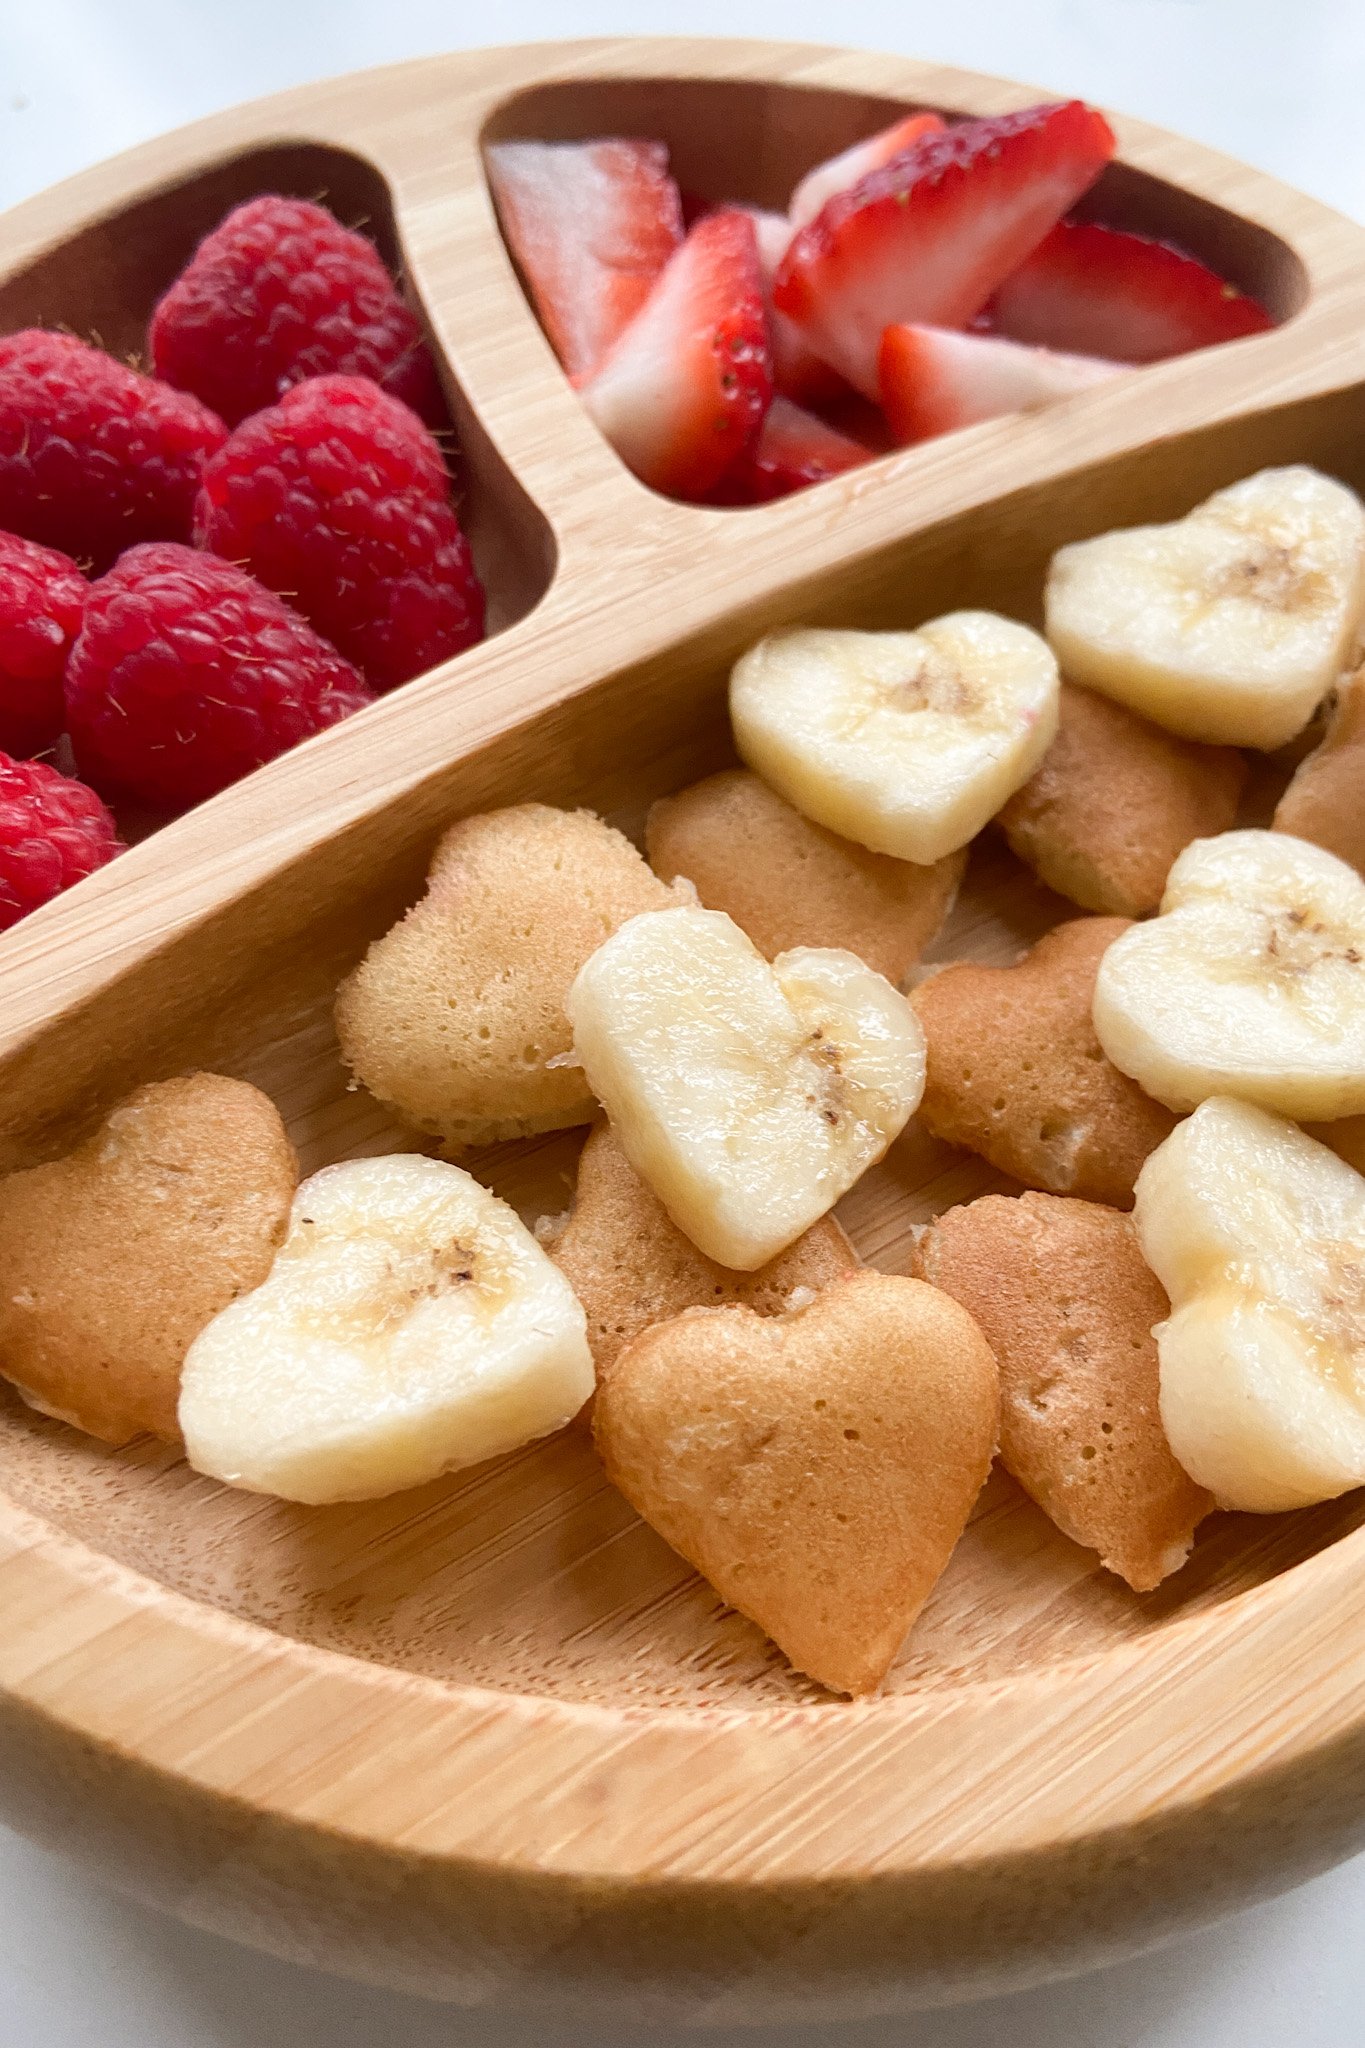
750	1097
1257	1233
907	743
410	1324
1230	625
1251	982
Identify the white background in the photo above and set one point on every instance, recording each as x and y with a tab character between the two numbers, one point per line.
1278	82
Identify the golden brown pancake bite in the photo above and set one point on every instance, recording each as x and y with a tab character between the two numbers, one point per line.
816	1467
1115	800
1325	802
1067	1305
455	1017
113	1259
786	881
1015	1071
631	1266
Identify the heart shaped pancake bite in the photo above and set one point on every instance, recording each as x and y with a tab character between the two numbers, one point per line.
1068	1305
817	1467
1250	983
749	1096
455	1018
1325	802
1015	1071
113	1259
1115	801
630	1265
788	882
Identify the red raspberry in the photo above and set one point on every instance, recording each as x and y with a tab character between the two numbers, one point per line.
93	456
337	497
187	675
42	595
53	830
281	291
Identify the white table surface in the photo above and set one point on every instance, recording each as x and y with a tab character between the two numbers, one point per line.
1278	82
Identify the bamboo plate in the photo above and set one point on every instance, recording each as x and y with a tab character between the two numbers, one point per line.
492	1741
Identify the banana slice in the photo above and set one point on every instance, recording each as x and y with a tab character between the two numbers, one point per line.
907	743
749	1096
1251	982
410	1324
1230	625
1257	1233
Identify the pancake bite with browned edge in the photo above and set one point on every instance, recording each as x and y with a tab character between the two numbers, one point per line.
787	881
1325	802
631	1266
816	1467
1115	800
455	1018
1067	1304
1016	1073
113	1259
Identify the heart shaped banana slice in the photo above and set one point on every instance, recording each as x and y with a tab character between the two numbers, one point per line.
1230	625
409	1325
1251	982
749	1097
907	743
1257	1233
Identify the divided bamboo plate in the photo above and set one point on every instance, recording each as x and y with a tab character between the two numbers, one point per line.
492	1741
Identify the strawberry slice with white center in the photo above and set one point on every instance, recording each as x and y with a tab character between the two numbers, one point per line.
929	236
591	225
798	372
793	449
684	391
934	379
1112	293
837	173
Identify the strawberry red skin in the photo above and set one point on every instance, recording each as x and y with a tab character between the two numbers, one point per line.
929	236
1103	291
591	225
798	372
837	173
685	390
793	449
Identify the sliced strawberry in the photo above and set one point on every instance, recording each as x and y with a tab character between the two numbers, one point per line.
793	449
683	392
837	173
930	235
1112	293
935	378
591	225
798	372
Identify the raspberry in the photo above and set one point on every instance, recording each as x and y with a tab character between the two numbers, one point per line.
42	595
281	291
93	456
187	674
337	497
53	830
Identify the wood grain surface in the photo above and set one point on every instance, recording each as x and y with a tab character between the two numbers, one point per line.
492	1740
